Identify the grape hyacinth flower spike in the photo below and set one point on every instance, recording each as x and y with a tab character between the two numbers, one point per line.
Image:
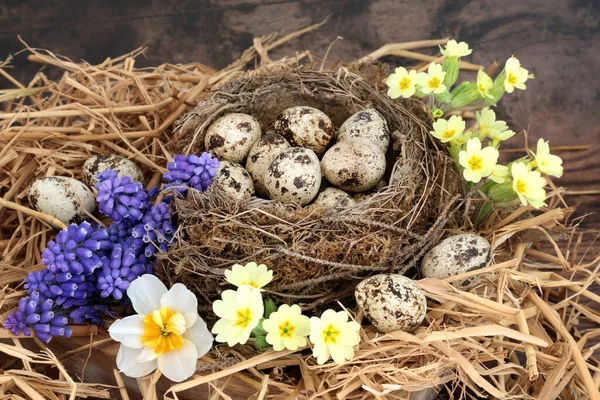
119	197
192	171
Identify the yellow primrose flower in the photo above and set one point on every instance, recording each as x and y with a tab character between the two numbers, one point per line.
478	163
447	130
287	328
455	49
546	162
499	174
462	139
515	75
484	84
432	80
166	333
253	275
529	185
497	130
401	83
333	336
240	311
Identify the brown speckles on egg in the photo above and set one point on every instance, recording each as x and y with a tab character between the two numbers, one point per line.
232	136
234	180
367	124
294	176
96	164
260	157
332	197
305	127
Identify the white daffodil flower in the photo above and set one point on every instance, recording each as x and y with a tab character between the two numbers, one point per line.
455	49
333	336
529	185
516	76
401	83
447	130
166	333
240	311
548	163
432	80
251	274
287	328
477	162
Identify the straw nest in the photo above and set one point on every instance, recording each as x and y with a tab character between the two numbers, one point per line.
527	330
317	254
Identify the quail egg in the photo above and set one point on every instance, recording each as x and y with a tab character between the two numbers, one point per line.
233	179
391	302
96	164
332	197
367	124
65	198
294	176
232	136
305	127
260	157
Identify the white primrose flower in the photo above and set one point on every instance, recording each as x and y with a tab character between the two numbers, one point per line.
455	49
477	162
166	333
333	336
484	84
516	76
253	275
447	130
432	80
287	328
529	185
401	83
548	163
240	311
497	130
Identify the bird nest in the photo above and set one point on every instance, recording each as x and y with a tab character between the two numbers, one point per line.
317	254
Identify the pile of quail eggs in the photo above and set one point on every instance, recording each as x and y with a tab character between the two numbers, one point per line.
303	160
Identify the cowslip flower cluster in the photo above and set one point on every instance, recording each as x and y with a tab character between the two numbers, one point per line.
243	314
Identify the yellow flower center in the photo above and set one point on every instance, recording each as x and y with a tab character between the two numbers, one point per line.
330	334
520	186
484	129
475	163
434	82
449	133
244	317
251	283
512	79
286	329
404	83
482	88
162	330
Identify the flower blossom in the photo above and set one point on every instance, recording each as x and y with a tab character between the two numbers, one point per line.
515	75
252	275
489	126
548	163
240	311
484	84
455	49
529	185
332	335
432	81
401	83
477	162
287	328
447	130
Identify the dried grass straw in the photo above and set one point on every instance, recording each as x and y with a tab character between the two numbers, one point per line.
524	332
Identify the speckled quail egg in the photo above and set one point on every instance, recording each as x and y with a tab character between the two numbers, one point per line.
232	136
333	197
457	255
391	302
260	157
62	197
354	165
305	127
233	179
96	164
294	176
367	124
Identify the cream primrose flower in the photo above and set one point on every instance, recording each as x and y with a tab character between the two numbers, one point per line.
529	185
455	49
497	130
484	84
401	83
287	328
253	275
432	80
477	162
499	173
548	163
516	76
333	336
447	130
240	311
462	139
166	333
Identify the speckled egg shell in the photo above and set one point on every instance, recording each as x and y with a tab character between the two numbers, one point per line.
232	136
367	124
332	197
294	177
260	157
354	165
96	164
391	302
233	179
305	127
457	255
62	197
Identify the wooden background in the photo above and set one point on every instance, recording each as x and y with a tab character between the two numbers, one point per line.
557	40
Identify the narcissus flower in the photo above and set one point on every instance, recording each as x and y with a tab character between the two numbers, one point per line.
252	275
515	75
432	81
240	311
529	185
401	83
499	173
456	49
333	336
166	333
548	163
447	130
497	130
477	162
287	328
484	84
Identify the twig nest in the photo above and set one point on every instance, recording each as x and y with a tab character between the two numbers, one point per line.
367	124
457	255
262	155
64	198
332	197
391	302
233	179
232	136
354	165
294	177
305	127
96	164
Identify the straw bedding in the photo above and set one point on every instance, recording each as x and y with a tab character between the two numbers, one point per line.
524	332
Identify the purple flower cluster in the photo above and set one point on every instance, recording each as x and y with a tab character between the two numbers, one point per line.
191	171
119	198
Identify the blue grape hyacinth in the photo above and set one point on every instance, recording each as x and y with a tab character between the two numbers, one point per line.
192	171
156	229
119	269
119	198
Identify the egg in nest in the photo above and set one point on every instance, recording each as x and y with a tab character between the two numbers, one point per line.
232	136
294	177
304	126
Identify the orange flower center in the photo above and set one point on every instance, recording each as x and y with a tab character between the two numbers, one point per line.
162	330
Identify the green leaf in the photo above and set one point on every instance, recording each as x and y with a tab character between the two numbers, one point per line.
258	329
261	343
270	307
